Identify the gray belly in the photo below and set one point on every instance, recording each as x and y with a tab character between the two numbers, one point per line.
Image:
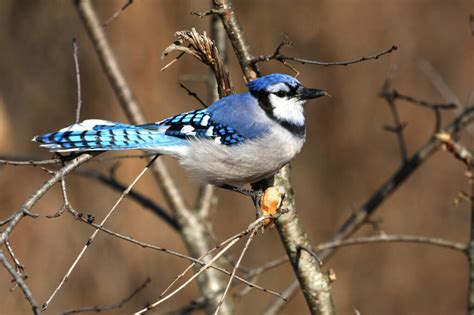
248	162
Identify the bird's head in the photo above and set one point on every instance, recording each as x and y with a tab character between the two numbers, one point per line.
282	97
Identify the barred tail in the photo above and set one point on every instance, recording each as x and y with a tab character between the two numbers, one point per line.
102	135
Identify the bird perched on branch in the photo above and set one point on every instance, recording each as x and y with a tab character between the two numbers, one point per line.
241	138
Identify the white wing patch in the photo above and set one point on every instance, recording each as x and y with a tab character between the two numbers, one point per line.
205	120
188	130
86	125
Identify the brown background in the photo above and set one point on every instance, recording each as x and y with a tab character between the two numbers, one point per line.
346	157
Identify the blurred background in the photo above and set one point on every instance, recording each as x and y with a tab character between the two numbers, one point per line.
347	155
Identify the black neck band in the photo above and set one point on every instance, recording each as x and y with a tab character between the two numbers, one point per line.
264	103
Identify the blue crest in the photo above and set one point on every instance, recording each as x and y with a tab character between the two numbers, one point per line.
271	79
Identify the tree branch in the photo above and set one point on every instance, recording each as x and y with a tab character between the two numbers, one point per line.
196	234
21	283
384	238
358	218
315	284
277	56
118	305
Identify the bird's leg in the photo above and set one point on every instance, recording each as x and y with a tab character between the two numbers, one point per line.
254	194
241	190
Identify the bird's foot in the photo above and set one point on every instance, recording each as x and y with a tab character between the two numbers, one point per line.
267	203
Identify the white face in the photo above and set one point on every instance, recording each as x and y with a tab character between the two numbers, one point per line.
285	107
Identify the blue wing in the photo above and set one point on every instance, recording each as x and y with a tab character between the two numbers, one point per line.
200	124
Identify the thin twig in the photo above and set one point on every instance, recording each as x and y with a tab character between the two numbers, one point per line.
359	217
398	126
384	238
20	269
205	267
117	13
193	94
24	210
410	99
21	283
66	204
438	82
78	79
141	199
118	305
234	270
35	161
127	100
254	273
177	254
93	236
31	162
282	58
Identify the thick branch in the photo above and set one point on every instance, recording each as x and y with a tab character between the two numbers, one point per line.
361	216
358	218
470	292
314	283
236	36
195	234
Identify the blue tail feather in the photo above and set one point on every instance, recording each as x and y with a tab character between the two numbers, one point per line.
98	135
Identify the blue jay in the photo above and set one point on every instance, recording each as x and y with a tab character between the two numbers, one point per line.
241	138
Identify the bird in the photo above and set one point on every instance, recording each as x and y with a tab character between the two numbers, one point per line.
239	139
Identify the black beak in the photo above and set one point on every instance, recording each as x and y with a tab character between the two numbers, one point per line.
307	93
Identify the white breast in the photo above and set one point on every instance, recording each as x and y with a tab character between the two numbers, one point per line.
247	162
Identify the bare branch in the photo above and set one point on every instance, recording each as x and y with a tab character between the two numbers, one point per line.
129	239
141	199
438	82
358	218
192	94
93	236
78	79
314	283
277	56
117	13
196	235
20	269
35	161
225	11
118	305
24	210
249	240
470	292
459	151
21	283
398	125
384	238
254	226
31	162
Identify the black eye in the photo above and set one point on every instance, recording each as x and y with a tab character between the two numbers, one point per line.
280	93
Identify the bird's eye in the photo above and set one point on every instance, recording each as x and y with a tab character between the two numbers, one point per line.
280	93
